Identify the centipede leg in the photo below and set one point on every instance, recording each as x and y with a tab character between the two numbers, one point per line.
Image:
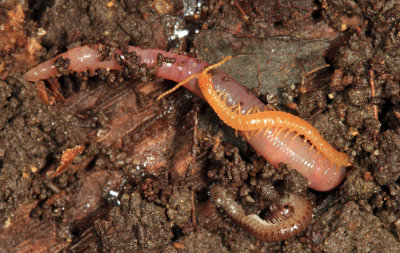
254	109
295	136
248	134
260	131
319	159
280	130
235	108
277	129
287	133
266	131
225	97
315	154
329	166
337	169
222	95
269	108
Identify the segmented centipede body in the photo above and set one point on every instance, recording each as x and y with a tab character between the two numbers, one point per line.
293	215
281	130
262	121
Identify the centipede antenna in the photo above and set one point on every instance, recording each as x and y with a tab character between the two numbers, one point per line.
216	65
178	85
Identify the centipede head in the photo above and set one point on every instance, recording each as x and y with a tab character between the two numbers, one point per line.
204	72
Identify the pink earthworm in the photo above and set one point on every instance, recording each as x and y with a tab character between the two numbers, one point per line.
292	215
275	146
87	58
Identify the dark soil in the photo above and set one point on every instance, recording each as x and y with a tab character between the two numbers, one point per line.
138	171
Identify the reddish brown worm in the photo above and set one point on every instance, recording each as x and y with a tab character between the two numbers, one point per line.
292	215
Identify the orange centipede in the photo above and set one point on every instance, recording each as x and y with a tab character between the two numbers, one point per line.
259	122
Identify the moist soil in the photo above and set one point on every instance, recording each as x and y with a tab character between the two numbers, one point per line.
91	162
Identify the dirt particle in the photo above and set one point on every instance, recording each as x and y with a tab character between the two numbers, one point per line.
387	169
179	206
358	97
137	225
162	7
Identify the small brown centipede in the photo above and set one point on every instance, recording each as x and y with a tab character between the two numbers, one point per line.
292	216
